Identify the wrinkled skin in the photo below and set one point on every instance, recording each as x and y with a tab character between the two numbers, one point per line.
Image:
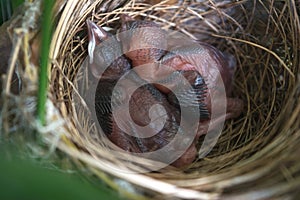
185	60
211	64
140	102
201	57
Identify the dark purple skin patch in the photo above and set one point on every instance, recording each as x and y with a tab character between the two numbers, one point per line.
146	96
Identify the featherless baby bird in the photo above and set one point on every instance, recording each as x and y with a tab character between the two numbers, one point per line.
206	62
158	65
108	96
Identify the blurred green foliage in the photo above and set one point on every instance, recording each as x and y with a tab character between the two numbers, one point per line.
7	7
6	10
21	179
16	3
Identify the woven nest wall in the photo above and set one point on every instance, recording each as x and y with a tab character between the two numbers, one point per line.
257	155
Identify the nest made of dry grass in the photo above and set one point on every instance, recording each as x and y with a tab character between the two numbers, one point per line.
257	155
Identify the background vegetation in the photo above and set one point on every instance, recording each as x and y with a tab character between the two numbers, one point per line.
24	179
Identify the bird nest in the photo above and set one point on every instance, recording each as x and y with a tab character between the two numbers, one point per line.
257	154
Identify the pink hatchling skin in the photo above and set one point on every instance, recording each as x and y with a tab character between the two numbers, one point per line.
198	59
211	63
140	103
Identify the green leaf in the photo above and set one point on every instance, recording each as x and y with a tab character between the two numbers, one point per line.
20	179
46	40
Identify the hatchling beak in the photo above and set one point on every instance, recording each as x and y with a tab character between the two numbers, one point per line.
95	32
